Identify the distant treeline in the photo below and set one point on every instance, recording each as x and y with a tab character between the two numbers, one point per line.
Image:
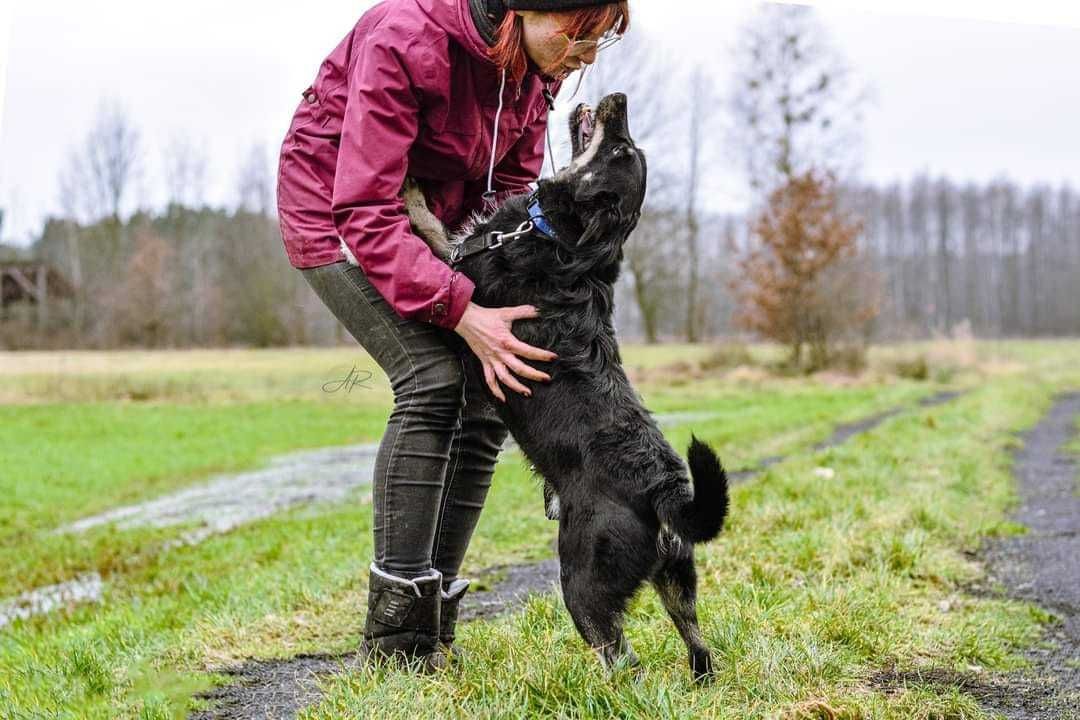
181	278
1002	257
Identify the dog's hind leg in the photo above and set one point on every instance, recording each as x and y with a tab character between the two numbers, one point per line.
676	583
600	571
598	617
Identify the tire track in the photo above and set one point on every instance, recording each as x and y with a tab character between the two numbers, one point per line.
279	689
228	501
1043	566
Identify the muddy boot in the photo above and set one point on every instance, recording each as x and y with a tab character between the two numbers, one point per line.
451	600
403	620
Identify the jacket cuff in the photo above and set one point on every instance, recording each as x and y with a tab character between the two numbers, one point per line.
450	302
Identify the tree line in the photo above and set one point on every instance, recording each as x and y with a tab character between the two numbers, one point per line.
1002	257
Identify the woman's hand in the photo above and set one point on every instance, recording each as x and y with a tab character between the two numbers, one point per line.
487	331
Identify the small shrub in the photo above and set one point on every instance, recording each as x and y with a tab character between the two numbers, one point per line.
727	355
850	359
913	369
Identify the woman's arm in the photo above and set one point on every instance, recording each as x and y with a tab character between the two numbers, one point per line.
380	124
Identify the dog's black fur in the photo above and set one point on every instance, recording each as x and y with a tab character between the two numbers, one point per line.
626	508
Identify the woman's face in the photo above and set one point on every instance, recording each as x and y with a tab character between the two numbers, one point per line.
546	45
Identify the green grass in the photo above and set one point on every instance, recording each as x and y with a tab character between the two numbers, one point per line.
813	587
66	461
62	462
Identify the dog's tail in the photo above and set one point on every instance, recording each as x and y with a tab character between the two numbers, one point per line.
698	516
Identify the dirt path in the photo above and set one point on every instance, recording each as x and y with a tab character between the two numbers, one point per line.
279	689
1043	566
842	433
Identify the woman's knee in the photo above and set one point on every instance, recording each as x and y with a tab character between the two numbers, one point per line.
435	387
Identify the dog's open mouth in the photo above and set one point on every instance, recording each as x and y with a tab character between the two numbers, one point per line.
583	122
586	126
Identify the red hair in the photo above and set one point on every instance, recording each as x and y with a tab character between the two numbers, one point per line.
509	49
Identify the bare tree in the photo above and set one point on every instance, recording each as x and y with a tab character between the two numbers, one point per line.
700	99
95	182
654	258
634	67
679	162
185	164
255	183
141	306
943	214
100	173
795	102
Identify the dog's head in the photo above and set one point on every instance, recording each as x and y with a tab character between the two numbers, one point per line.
603	187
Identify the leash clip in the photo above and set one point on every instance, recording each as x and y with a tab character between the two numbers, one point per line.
523	229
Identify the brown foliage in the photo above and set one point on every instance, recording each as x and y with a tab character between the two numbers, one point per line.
804	284
142	305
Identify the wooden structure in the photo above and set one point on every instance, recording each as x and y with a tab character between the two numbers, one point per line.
32	281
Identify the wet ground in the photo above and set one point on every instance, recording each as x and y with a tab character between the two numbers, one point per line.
278	689
225	502
1043	566
229	501
85	588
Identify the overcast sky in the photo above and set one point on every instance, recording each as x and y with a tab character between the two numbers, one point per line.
970	99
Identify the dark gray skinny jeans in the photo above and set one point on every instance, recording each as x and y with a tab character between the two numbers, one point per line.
436	458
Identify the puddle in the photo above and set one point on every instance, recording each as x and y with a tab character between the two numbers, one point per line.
83	589
225	502
228	501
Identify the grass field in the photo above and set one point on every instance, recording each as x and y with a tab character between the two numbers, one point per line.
815	586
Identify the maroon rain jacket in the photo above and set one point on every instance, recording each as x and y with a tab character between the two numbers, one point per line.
410	90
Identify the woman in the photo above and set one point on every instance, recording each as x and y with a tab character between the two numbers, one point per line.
455	94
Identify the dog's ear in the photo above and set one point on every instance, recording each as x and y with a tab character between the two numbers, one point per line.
587	191
599	223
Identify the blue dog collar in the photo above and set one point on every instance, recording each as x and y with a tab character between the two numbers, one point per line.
540	223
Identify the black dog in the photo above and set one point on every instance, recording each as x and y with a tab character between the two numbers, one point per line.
627	511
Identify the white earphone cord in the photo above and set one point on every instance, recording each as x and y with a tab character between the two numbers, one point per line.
489	196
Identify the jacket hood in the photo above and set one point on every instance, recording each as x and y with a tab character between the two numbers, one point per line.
455	18
487	15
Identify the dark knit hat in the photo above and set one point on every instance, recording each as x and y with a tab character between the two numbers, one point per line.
556	4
